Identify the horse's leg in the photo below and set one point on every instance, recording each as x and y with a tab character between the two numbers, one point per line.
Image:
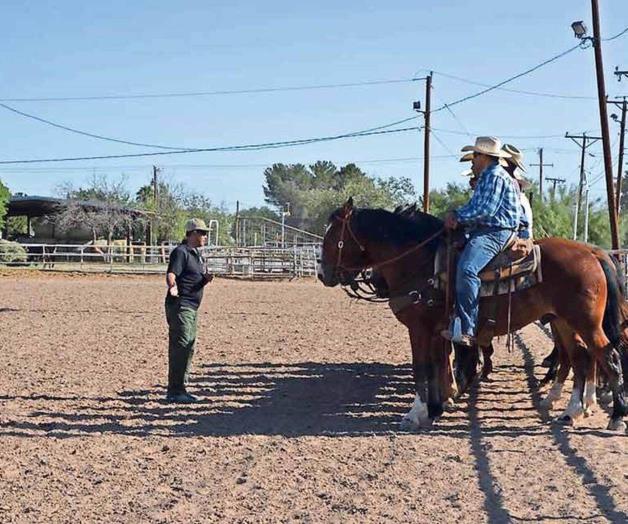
605	395
487	366
553	360
439	386
564	359
609	360
570	341
466	365
562	372
447	384
590	386
561	367
418	416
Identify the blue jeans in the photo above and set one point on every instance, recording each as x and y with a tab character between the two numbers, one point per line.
482	247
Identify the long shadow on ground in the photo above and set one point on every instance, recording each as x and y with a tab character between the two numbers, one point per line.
235	399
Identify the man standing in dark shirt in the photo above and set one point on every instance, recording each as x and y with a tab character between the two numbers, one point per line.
186	278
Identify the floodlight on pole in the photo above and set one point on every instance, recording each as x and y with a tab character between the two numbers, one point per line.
579	30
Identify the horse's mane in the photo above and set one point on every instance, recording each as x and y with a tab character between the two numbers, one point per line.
404	225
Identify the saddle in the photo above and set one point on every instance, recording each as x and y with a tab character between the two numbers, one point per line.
516	267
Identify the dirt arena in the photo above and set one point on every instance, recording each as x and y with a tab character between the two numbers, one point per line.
302	392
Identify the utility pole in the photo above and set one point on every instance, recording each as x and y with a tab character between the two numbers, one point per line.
586	209
426	144
237	224
426	139
284	213
541	165
586	142
555	181
623	104
619	73
155	203
606	143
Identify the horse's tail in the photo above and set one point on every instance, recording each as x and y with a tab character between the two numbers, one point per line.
616	310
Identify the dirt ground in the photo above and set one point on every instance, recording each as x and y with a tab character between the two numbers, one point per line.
301	393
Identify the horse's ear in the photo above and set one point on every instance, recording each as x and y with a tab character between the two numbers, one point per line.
347	206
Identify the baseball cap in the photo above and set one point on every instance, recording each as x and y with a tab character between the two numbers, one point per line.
196	224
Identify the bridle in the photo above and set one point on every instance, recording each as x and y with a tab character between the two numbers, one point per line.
346	226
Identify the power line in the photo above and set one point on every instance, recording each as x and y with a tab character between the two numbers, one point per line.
445	146
251	147
520	137
517	91
524	73
154	146
459	122
211	93
86	133
616	36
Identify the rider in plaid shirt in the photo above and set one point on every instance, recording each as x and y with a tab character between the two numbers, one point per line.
495	201
492	215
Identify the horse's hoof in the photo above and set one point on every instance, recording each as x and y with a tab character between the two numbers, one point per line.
547	404
589	410
565	420
428	423
605	397
617	425
408	424
449	405
411	425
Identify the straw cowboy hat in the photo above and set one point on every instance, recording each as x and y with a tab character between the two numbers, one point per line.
516	156
516	159
486	145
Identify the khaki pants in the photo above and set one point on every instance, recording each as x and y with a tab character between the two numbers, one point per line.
182	322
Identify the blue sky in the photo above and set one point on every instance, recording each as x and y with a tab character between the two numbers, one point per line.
76	49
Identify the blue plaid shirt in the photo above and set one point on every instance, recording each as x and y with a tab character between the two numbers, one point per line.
495	201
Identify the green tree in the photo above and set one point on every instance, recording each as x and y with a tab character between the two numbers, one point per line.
447	199
167	213
366	192
313	192
5	195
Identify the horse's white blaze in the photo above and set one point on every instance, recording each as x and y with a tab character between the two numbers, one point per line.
418	414
590	399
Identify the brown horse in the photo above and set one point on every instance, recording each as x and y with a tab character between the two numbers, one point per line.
564	360
581	296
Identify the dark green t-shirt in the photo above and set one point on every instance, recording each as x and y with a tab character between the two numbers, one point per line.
187	265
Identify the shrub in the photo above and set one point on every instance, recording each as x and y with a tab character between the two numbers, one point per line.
11	252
